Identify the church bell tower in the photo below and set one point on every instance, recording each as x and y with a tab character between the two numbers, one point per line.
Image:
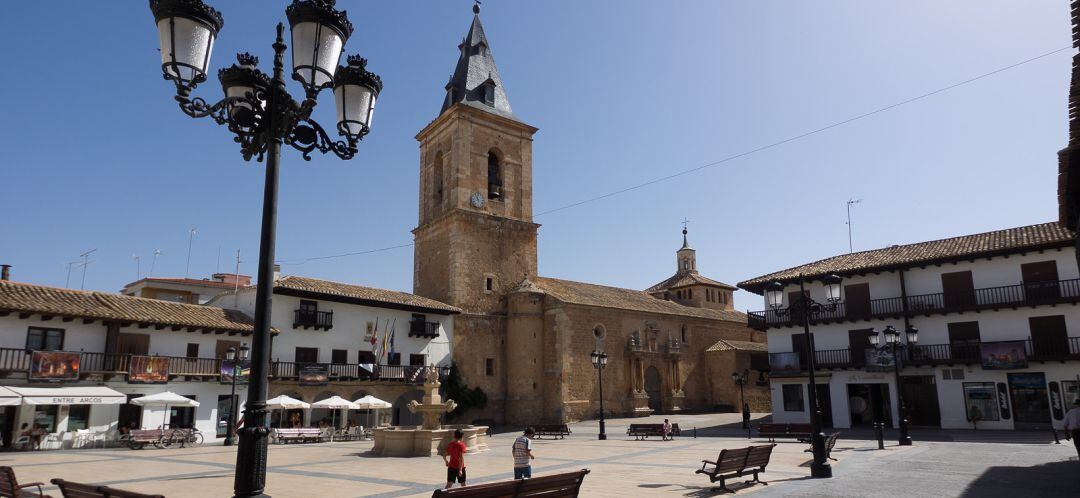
475	239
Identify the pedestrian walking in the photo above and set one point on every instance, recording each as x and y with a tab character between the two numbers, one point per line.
1072	426
523	455
746	416
666	436
455	460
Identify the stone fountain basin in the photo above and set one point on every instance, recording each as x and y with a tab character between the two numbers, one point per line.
415	441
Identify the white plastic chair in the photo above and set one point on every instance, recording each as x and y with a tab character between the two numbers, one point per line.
82	436
57	438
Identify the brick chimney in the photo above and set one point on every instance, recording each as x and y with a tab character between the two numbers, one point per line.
5	272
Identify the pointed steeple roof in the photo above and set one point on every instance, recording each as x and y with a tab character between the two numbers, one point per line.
476	81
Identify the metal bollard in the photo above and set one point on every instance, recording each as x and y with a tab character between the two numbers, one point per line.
879	429
1056	439
695	432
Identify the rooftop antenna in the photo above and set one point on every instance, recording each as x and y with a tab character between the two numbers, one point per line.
86	262
69	265
138	266
851	246
236	276
157	252
187	267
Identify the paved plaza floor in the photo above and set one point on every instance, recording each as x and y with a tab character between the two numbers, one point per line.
941	463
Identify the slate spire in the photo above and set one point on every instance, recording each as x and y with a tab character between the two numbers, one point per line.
476	81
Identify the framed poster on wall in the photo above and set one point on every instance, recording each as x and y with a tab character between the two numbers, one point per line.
148	370
1003	355
53	366
980	401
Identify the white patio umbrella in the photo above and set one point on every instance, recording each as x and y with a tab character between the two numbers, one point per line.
165	399
370	402
284	402
335	403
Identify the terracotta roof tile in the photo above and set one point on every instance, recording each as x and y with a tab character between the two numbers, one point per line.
185	281
726	345
683	279
1008	241
29	298
627	299
357	292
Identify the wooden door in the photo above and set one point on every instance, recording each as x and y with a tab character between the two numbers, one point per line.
1040	280
800	347
135	344
964	340
958	289
857	301
1049	337
858	343
307	355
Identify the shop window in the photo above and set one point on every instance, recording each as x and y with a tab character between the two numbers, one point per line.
793	398
43	339
489	367
182	416
78	417
1072	392
45	417
980	400
339	356
130	415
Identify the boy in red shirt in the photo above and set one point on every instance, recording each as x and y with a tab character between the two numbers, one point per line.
455	460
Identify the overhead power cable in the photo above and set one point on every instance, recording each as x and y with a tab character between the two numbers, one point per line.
730	158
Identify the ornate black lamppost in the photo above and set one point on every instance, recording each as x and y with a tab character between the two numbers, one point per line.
741	380
259	110
230	354
805	309
599	361
893	346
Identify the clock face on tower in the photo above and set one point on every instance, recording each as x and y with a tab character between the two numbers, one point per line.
477	200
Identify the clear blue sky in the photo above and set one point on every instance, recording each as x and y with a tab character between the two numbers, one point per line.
95	153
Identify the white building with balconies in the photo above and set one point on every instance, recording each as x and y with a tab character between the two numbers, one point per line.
998	342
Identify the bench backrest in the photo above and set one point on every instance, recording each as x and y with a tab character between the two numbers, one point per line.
8	484
759	456
146	433
78	490
551	486
802	428
731	460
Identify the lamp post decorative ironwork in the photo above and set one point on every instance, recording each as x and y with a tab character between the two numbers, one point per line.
262	115
741	381
599	361
806	309
894	347
237	368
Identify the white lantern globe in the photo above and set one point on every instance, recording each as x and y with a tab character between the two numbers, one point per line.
319	32
187	30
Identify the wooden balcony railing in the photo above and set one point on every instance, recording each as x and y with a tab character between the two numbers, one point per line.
956	353
18	360
420	328
290	370
1025	294
313	319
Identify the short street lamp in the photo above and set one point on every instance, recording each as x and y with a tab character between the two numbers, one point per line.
894	347
805	309
262	115
599	361
741	380
230	354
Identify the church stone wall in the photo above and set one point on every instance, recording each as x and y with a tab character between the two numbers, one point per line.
476	339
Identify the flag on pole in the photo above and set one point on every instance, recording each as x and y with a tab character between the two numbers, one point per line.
393	329
386	336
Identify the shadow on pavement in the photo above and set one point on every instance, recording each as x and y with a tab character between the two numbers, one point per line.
1045	480
714	490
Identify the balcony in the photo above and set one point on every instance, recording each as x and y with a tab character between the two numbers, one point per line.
113	364
313	319
420	328
957	353
1008	296
409	374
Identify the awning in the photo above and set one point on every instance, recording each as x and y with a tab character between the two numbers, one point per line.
8	398
69	395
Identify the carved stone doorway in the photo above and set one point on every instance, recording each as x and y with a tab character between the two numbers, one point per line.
652	388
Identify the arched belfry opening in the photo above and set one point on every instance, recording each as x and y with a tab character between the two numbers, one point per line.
495	177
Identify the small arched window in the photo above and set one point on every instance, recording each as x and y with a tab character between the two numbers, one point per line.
495	183
684	335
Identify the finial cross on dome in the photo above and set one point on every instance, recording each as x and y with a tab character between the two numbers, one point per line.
476	7
685	222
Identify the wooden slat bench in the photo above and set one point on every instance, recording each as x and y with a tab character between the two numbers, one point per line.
303	435
79	490
830	442
566	485
557	431
139	438
10	487
801	432
642	431
737	463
